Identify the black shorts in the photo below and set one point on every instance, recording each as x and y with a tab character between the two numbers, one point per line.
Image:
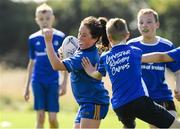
145	109
168	104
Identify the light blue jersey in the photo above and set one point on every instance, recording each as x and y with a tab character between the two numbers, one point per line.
85	88
123	64
43	71
175	54
154	73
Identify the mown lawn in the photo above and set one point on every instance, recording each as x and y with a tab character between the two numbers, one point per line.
16	113
21	119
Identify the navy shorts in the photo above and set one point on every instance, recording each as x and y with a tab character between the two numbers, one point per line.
145	109
168	104
46	97
91	111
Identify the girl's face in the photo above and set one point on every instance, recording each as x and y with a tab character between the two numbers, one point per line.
85	37
147	25
44	19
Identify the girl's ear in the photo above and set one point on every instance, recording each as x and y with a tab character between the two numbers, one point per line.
158	24
53	17
36	20
109	38
127	35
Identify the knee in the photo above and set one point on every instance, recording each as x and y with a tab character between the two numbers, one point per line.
53	120
41	118
77	126
175	124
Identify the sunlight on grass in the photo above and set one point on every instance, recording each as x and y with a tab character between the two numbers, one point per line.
26	119
16	113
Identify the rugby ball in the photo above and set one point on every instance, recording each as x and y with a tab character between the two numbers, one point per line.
69	46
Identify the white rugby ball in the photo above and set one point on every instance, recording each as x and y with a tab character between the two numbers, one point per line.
69	46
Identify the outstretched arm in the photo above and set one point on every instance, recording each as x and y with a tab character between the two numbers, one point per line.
177	89
90	69
156	57
55	61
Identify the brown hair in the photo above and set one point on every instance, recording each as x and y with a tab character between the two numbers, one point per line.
117	28
94	26
104	39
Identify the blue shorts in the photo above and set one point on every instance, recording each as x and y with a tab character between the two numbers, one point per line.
91	111
46	97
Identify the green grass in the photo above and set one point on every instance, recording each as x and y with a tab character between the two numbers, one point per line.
19	114
26	119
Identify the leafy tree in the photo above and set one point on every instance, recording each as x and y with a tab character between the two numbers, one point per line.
17	21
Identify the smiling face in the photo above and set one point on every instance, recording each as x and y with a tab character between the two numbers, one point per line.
147	25
85	37
44	19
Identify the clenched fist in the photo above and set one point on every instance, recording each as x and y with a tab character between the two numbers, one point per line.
48	35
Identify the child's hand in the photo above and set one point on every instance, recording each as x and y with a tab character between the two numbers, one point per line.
60	53
177	95
26	95
48	35
88	67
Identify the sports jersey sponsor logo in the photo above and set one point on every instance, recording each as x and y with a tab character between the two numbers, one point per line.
152	67
56	43
40	53
118	62
38	43
120	68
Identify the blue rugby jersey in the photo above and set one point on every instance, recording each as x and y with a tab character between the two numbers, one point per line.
85	88
43	71
123	65
154	73
175	54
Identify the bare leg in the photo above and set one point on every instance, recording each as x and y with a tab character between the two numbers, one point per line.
175	124
90	123
53	122
77	126
40	119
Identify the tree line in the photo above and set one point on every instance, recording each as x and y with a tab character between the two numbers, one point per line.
17	21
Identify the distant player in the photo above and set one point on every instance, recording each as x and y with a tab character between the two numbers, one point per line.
44	80
89	93
173	55
123	64
154	73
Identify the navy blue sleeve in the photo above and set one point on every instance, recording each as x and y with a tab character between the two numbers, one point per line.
31	49
73	63
101	66
175	54
173	66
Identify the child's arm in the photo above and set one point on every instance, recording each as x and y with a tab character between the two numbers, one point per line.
55	61
90	69
156	57
29	70
177	89
63	83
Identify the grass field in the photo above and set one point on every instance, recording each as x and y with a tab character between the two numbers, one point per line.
16	113
26	119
